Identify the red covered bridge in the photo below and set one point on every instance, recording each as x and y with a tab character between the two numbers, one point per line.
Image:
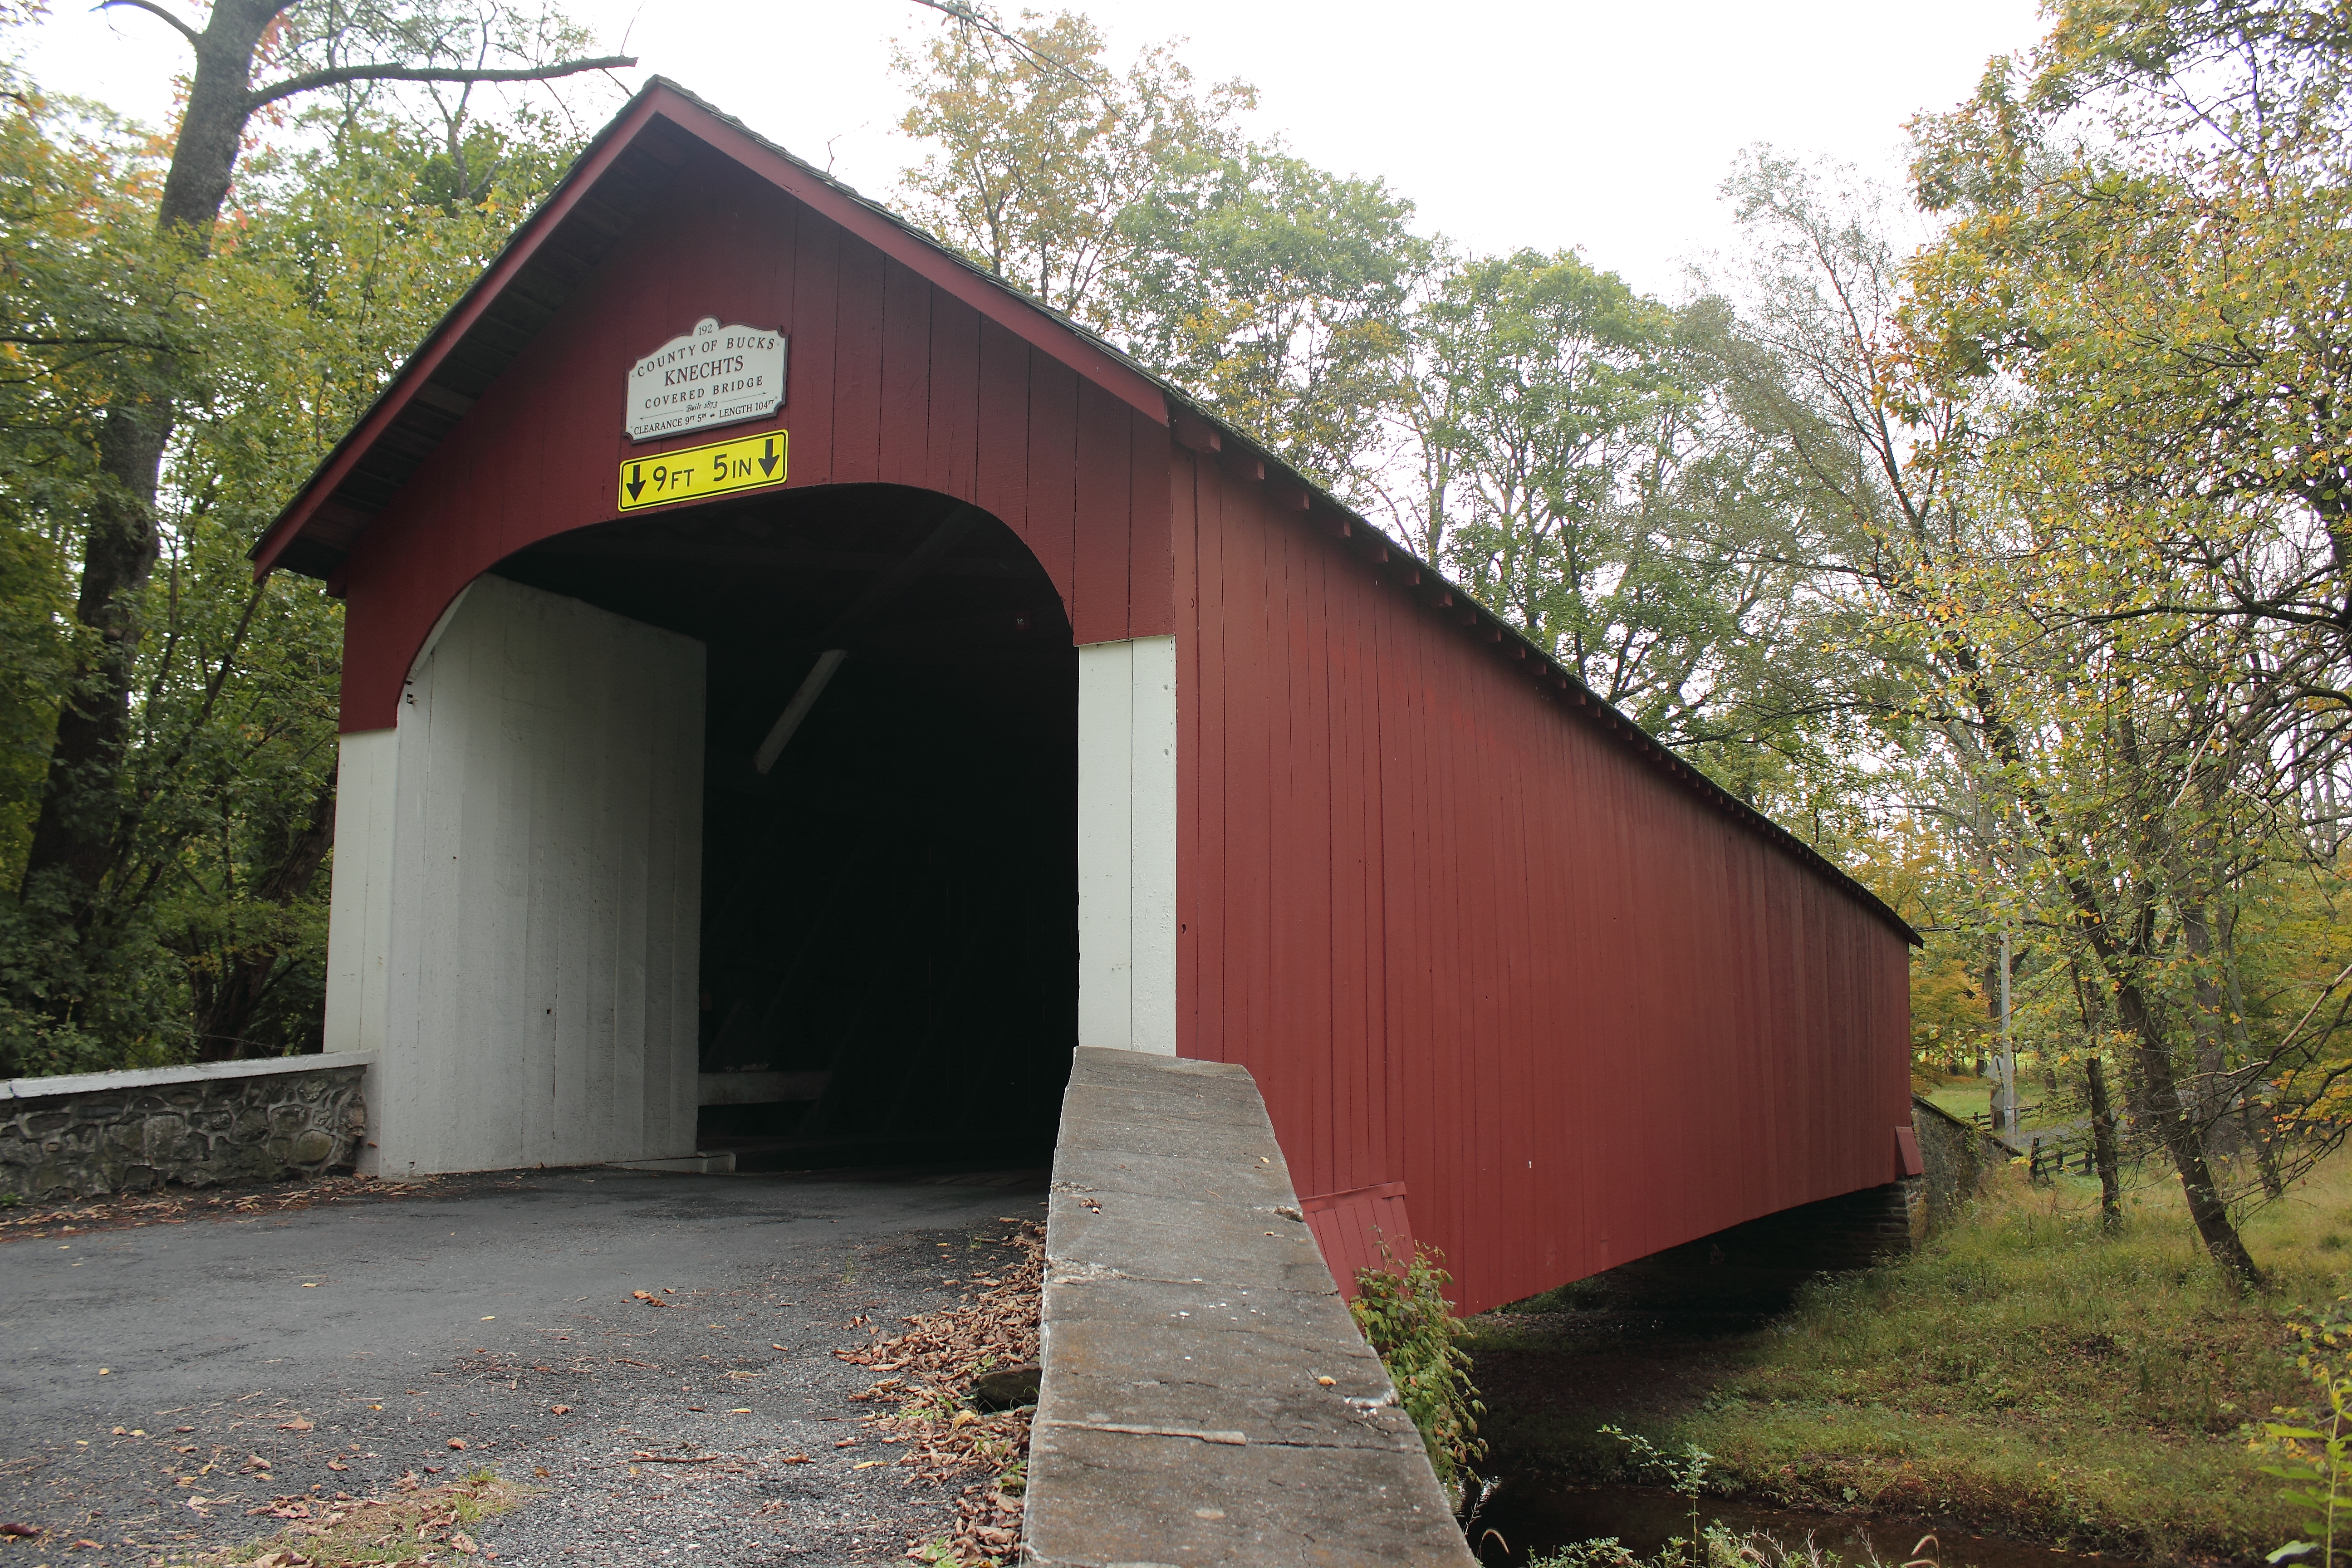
796	687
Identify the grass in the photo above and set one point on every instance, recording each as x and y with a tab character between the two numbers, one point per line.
2023	1373
415	1526
1967	1095
1714	1547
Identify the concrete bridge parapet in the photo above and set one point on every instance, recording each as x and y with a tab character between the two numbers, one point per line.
1205	1396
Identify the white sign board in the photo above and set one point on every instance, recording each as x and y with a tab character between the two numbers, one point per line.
713	375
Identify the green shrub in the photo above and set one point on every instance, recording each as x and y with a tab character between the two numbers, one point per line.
1409	1322
2315	1445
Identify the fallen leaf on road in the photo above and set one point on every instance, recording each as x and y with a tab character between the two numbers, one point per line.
296	1424
26	1531
796	1459
864	1464
775	1347
256	1462
559	1410
624	1361
337	1465
963	1418
93	1545
457	1442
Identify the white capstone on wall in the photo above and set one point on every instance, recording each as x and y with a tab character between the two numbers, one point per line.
1126	844
517	893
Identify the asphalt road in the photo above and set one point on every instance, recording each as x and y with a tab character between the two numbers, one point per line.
468	1310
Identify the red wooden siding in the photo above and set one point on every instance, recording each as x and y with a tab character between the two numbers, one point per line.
1466	941
1352	1227
892	378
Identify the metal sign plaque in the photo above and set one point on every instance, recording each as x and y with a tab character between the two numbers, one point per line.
745	463
712	375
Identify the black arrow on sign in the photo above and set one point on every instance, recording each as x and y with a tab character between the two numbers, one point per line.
636	480
768	457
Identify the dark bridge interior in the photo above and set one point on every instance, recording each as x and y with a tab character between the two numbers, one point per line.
889	936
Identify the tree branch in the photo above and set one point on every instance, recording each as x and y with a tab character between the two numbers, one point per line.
972	15
342	74
194	40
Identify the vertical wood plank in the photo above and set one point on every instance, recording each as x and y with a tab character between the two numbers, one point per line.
1049	505
816	295
1176	476
1154	601
952	412
858	365
906	395
1102	478
1003	443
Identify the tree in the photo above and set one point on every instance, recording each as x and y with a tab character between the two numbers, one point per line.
80	839
1274	289
208	934
1278	292
1039	148
1583	459
2141	289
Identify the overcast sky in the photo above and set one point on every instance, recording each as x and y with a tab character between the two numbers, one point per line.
1608	127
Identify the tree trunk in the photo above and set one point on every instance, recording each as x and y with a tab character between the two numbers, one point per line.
2173	1122
2103	1145
2209	1091
75	837
2254	1122
2177	1128
224	1016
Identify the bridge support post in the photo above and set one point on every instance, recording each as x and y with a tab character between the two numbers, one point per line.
1126	844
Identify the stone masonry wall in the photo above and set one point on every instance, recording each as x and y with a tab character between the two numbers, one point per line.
1767	1257
1957	1158
93	1133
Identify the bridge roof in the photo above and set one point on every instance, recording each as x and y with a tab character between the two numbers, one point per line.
663	128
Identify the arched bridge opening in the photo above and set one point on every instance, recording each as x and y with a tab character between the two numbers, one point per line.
888	968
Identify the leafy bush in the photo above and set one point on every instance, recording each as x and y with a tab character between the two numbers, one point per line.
1405	1315
2317	1449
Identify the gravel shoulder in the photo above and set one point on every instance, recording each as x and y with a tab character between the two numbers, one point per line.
165	1376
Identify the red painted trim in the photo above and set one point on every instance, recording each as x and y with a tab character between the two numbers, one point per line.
918	256
1322	1201
444	337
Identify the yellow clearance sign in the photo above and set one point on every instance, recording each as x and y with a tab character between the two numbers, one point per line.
690	473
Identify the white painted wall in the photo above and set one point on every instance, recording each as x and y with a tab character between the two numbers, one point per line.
1126	844
359	918
517	893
